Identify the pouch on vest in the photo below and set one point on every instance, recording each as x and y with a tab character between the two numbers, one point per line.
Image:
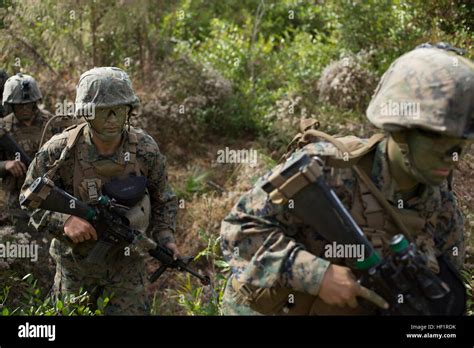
128	191
133	204
132	193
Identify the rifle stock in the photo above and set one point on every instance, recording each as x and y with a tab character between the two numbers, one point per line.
10	145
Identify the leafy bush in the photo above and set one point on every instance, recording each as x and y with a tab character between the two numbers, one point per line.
33	302
234	69
348	83
192	297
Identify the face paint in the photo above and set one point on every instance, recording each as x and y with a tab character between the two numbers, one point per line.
108	123
24	112
433	156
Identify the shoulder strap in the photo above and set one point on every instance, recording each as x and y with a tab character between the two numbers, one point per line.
350	157
353	158
133	163
297	141
350	154
73	135
382	201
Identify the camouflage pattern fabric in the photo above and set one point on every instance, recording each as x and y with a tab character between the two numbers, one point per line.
427	88
28	137
265	247
125	274
123	282
229	303
104	87
21	89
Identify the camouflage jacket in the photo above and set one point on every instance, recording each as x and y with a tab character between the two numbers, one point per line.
28	137
266	247
28	141
163	200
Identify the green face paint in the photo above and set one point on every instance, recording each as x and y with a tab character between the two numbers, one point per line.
108	123
433	156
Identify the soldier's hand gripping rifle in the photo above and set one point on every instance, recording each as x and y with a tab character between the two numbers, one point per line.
11	146
402	278
110	223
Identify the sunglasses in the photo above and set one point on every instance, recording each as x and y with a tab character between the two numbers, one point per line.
121	111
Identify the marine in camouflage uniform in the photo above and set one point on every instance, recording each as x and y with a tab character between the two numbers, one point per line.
83	171
268	250
26	128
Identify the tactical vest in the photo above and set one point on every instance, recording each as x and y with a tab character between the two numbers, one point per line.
370	210
28	137
89	177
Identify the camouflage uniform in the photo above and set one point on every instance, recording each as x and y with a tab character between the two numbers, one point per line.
28	137
124	275
267	248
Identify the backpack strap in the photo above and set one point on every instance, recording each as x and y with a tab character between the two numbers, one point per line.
353	158
382	201
132	149
350	156
72	136
297	141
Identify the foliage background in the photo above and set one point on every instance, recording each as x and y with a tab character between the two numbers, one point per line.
212	74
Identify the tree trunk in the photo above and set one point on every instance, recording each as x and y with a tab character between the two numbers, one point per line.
94	34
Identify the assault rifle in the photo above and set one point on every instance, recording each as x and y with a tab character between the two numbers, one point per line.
10	145
108	218
402	278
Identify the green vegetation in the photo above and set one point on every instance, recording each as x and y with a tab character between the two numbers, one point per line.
32	301
267	50
235	69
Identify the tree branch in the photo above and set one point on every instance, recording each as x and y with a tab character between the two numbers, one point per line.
32	50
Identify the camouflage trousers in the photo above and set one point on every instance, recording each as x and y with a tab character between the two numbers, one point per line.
123	282
229	304
10	210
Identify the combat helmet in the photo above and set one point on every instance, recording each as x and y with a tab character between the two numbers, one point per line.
104	87
430	88
21	89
